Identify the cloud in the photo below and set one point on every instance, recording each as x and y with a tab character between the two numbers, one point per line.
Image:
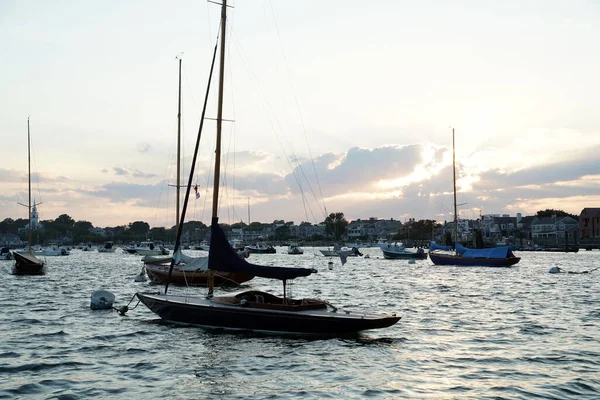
139	174
136	173
119	192
120	171
389	181
261	184
361	169
8	175
143	147
572	166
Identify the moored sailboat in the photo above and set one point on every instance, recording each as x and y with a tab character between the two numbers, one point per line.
186	270
27	263
396	251
462	256
251	310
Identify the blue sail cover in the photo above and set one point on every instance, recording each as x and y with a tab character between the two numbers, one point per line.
493	252
435	246
222	257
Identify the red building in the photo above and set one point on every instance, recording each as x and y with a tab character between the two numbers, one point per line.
589	223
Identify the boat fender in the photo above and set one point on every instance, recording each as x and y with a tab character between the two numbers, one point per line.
330	264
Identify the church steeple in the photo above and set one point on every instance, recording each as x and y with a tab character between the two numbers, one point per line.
35	219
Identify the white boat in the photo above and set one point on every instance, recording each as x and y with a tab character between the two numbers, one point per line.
295	249
261	248
108	247
149	248
86	247
35	250
336	250
53	251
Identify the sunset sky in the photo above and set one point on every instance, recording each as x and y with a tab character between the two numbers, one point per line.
337	106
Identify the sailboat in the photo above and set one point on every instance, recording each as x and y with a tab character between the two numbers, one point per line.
251	310
187	271
462	256
27	263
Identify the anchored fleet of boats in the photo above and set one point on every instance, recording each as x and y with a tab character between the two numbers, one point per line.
253	309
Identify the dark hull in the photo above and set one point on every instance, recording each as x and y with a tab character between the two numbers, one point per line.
212	314
394	255
261	251
27	264
160	274
450	259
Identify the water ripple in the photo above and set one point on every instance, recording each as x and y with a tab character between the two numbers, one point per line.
468	333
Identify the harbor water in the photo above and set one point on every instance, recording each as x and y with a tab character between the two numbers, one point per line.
465	333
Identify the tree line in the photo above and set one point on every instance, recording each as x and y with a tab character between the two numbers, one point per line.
66	229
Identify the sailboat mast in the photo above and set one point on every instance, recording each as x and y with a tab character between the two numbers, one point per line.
454	182
178	186
211	280
219	112
29	181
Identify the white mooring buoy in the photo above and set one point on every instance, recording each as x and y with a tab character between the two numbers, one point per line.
102	300
330	264
141	277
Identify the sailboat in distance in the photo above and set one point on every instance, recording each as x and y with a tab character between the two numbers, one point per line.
253	310
464	257
27	263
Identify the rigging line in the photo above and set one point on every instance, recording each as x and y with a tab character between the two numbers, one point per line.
189	184
232	128
224	179
166	175
299	165
37	175
191	93
208	180
195	107
267	106
298	108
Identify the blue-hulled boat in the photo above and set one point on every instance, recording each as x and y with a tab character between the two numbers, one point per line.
462	256
465	257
